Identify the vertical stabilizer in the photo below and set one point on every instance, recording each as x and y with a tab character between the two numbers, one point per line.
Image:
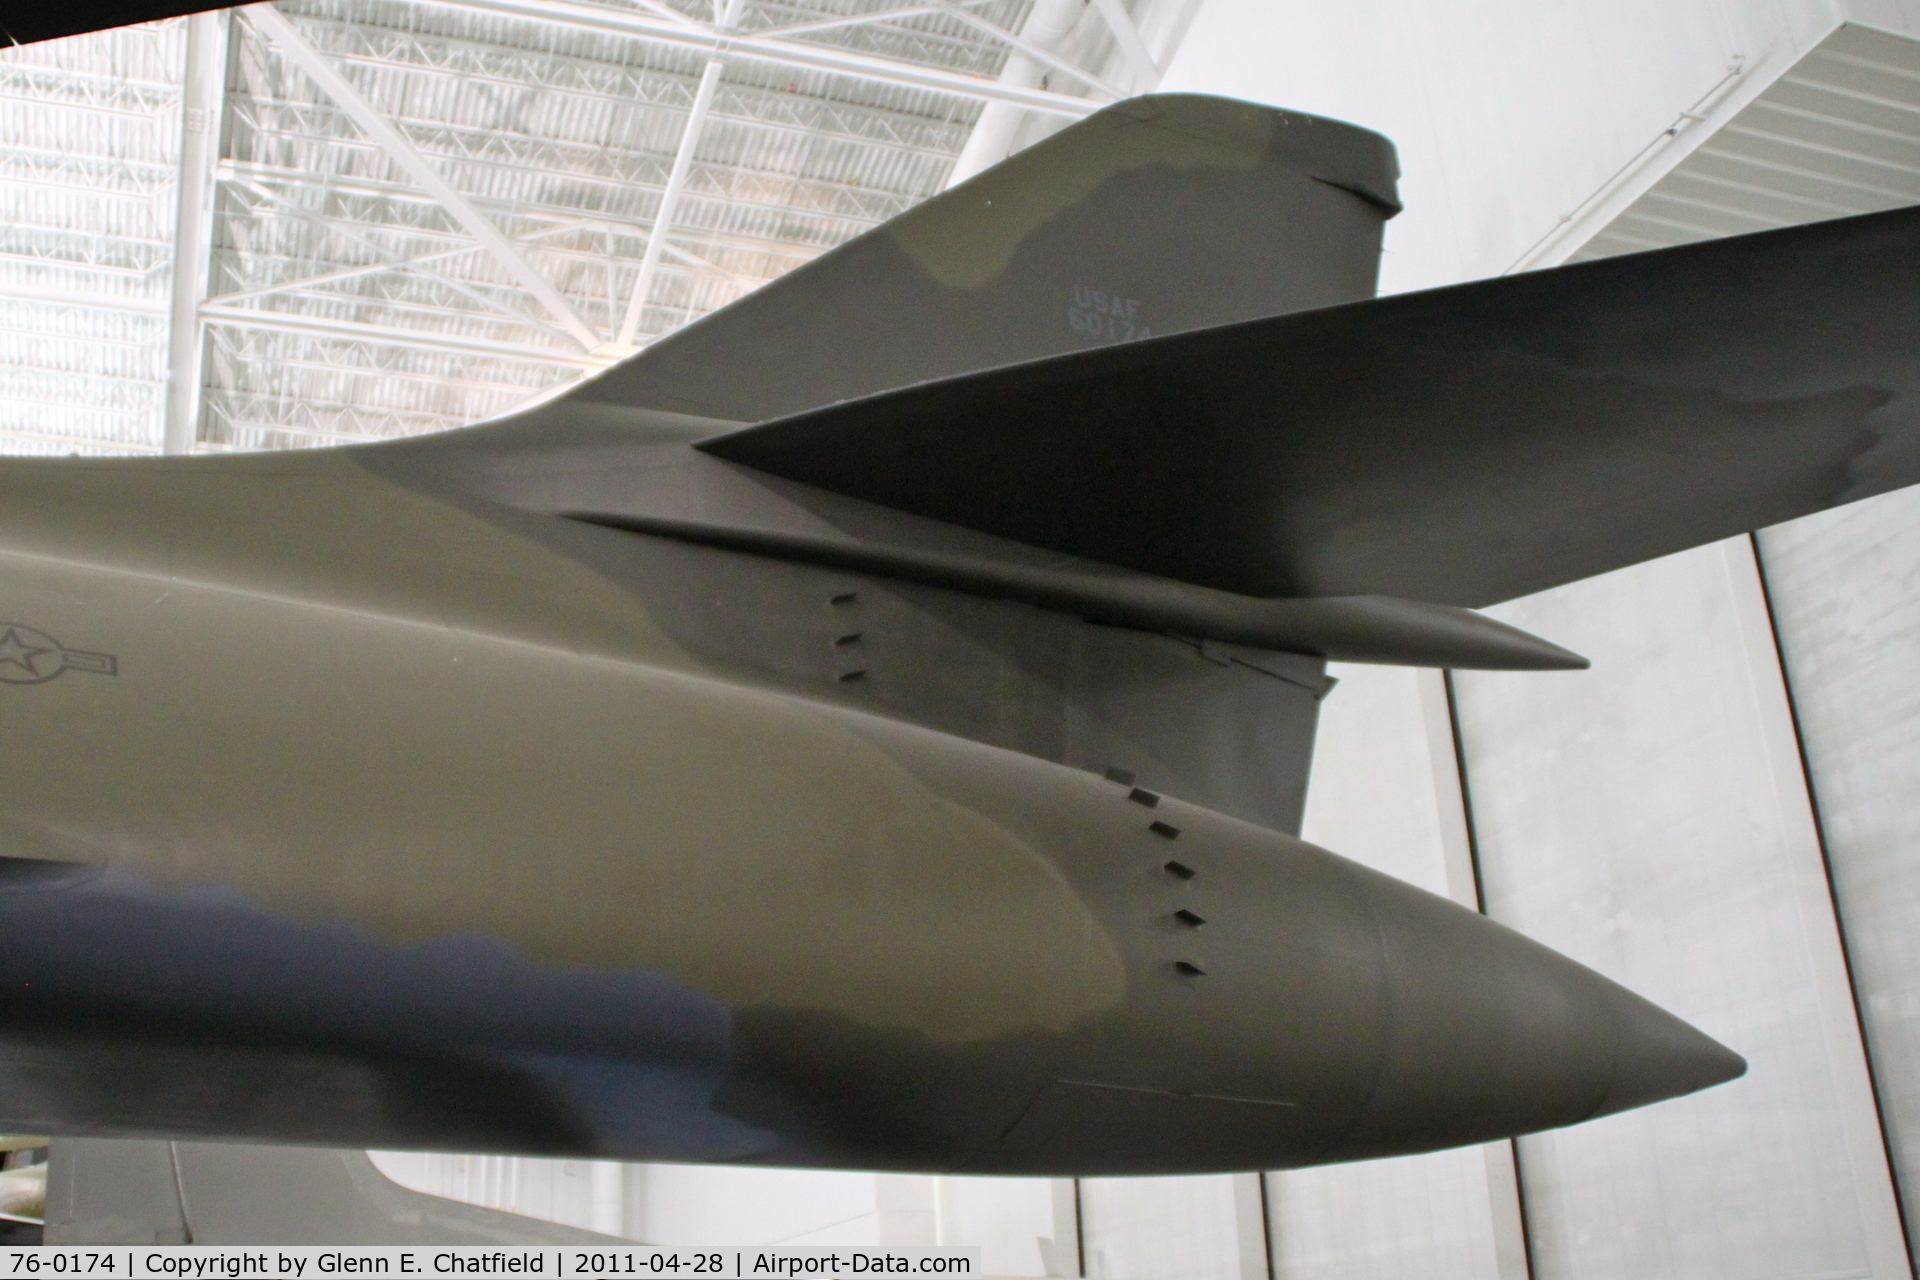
1156	215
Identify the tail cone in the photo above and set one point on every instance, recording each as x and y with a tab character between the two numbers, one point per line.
1491	1034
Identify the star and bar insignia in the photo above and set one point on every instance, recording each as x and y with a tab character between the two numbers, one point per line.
28	656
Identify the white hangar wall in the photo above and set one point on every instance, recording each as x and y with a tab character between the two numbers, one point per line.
1509	115
1845	590
1650	819
1722	814
1671	816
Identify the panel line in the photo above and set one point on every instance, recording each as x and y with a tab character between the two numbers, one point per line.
1833	891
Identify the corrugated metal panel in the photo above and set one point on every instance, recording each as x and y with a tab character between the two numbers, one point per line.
89	137
344	302
1837	135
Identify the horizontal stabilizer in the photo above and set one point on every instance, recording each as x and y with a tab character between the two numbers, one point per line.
1461	446
1356	629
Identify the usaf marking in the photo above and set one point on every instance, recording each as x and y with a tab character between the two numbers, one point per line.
28	656
1106	316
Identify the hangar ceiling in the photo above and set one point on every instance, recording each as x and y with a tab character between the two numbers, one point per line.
405	215
1835	135
343	220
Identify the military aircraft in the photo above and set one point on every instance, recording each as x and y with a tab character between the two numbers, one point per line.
869	728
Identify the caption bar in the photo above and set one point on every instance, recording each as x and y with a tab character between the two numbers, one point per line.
304	1262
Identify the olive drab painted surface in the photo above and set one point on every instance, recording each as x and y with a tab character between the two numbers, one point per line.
584	783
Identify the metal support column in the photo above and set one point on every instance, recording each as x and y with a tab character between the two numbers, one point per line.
202	103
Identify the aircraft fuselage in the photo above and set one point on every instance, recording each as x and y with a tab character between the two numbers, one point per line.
335	811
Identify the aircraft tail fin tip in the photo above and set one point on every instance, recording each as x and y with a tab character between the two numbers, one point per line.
1156	215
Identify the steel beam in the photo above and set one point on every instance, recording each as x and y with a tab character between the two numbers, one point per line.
663	219
344	273
76	442
1048	22
1032	50
202	99
600	20
668	12
1146	72
277	28
860	19
441	54
21	291
851	20
354	331
414	265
